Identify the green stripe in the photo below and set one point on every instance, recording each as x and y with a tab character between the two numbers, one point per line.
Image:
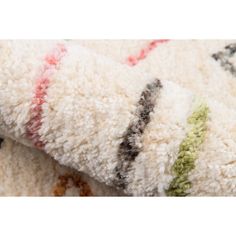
188	152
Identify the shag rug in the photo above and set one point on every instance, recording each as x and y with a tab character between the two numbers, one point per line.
118	117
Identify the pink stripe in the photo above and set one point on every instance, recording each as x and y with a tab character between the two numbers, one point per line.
133	60
51	62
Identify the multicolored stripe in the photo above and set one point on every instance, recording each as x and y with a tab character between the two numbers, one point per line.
51	61
131	145
133	60
188	152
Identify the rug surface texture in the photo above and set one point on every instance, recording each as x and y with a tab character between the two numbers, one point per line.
118	117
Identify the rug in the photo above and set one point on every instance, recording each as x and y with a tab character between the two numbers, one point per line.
195	147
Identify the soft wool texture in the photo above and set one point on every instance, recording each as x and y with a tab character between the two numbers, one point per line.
188	152
25	171
108	111
188	63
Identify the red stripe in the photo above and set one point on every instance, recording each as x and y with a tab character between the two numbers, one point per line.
51	62
133	60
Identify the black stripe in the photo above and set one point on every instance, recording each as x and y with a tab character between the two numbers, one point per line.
223	57
131	146
1	140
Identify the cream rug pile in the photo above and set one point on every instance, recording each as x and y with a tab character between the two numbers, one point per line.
144	117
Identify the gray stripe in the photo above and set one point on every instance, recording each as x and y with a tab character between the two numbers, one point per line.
131	145
223	58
